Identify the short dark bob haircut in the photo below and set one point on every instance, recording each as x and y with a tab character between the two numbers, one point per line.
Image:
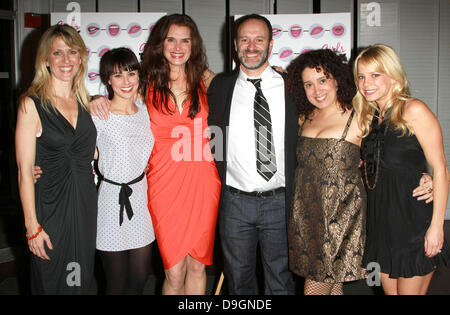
329	62
118	59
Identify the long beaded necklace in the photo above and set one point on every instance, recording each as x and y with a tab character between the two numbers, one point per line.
372	187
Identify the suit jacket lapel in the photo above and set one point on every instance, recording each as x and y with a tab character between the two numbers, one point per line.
229	95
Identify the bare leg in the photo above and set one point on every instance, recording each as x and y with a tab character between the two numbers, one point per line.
406	286
390	286
175	277
195	277
414	286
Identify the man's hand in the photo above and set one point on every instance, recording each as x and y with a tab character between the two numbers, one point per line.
279	69
425	189
36	173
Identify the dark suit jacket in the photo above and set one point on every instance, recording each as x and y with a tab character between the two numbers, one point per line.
220	94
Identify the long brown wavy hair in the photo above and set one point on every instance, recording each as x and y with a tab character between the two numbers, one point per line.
156	68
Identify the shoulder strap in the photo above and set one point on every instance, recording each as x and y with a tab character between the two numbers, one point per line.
38	104
300	129
36	100
349	122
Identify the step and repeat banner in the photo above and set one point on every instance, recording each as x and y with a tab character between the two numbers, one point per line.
104	31
293	35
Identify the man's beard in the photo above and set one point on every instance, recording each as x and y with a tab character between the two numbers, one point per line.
264	57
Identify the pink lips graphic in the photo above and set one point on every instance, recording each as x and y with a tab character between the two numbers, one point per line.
141	47
92	76
338	30
295	31
285	54
134	29
93	29
102	51
113	29
277	31
316	31
305	50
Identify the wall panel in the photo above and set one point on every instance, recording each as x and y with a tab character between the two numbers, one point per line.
419	45
117	5
336	6
388	32
168	6
294	6
61	5
209	16
241	7
443	108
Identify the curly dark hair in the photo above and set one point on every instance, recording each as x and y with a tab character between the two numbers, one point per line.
329	62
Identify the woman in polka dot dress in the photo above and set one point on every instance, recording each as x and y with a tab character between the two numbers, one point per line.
124	143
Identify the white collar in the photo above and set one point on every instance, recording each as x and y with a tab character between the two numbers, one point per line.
267	74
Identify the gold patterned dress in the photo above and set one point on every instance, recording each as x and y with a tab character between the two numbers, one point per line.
326	230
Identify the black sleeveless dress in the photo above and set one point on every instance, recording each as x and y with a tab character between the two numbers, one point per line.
327	228
396	221
66	203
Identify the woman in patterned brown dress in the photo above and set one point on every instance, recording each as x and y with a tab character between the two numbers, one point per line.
326	230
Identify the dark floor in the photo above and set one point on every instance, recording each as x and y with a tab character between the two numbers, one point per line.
14	265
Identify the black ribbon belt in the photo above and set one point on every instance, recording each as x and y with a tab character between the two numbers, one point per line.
124	196
259	194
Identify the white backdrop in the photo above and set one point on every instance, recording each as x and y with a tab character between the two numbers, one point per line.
294	34
104	31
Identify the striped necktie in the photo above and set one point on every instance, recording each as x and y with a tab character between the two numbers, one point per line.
265	151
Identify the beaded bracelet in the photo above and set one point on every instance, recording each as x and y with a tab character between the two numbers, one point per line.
35	235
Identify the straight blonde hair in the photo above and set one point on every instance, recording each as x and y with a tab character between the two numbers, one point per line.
42	82
385	60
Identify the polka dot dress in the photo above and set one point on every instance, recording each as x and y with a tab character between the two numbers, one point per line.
124	143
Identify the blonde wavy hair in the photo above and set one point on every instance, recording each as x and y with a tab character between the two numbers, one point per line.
42	82
384	60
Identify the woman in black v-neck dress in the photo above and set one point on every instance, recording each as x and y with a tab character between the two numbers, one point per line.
55	131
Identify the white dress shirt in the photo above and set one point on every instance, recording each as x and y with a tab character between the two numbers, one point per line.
241	154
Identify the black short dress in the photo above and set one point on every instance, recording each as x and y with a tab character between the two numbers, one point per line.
396	221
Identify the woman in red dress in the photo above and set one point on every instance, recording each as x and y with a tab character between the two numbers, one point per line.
184	186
